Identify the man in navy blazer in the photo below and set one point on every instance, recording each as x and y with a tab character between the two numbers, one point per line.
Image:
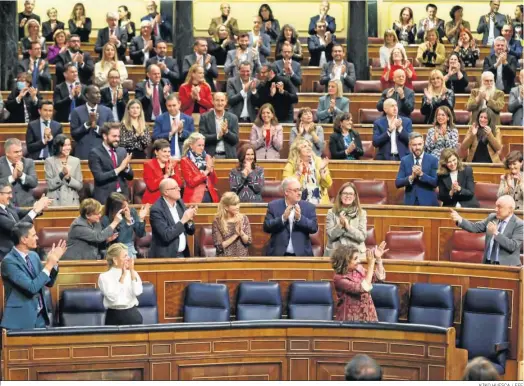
86	122
290	221
418	174
287	67
174	126
331	25
391	133
40	133
24	277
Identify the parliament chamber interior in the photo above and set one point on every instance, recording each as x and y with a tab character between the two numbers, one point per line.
201	190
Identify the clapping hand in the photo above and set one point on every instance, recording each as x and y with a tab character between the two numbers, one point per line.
351	148
380	250
370	256
66	169
189	214
298	212
456	187
149	90
238	226
400	92
287	212
33	92
487	130
113	237
332	105
42	204
474	129
280	87
491	229
273	89
248	168
224	127
56	252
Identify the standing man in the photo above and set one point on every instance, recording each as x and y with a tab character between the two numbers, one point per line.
514	46
225	19
152	93
142	47
323	16
503	233
241	54
404	96
339	69
201	57
240	90
81	60
40	133
24	277
502	65
290	221
168	66
161	27
115	97
37	68
490	25
109	164
431	21
418	174
288	67
69	94
320	45
112	34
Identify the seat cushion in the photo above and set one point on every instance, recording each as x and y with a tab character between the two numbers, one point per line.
259	301
206	303
467	247
368	115
486	194
431	304
82	307
310	301
147	304
405	245
206	245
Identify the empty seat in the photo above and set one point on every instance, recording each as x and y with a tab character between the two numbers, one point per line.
147	304
369	150
506	118
259	301
467	247
87	190
371	240
316	244
419	86
142	244
486	194
462	117
49	236
205	242
368	115
368	86
272	190
485	323
417	117
310	300
372	192
405	245
82	307
431	304
40	190
206	303
387	302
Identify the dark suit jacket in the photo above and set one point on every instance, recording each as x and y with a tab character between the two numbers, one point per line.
466	196
316	49
162	129
515	106
280	231
103	38
87	139
62	102
83	32
483	27
330	21
121	103
210	73
172	74
337	147
440	30
423	188
508	71
135	49
33	138
16	110
348	82
22	289
296	78
8	218
282	103
85	72
22	192
381	138
48	32
147	103
514	49
44	78
405	106
106	180
21	16
165	232
236	100
164	27
208	129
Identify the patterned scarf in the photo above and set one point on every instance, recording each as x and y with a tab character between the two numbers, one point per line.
198	160
310	186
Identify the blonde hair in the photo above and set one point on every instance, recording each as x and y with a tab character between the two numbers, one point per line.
403	52
228	199
340	90
28	25
114	252
430	85
194	68
294	150
390	32
90	206
126	120
432	30
191	140
103	60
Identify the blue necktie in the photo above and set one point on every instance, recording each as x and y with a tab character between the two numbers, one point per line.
73	102
33	272
45	152
494	253
35	74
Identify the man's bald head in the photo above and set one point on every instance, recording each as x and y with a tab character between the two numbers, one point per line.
167	184
504	207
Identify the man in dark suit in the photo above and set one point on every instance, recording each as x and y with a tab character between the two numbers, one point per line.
502	65
168	66
391	133
10	215
26	15
339	69
220	129
290	221
200	56
68	95
81	60
24	277
161	26
148	91
418	174
431	21
171	222
490	25
243	53
320	45
87	121
322	16
404	96
109	164
22	102
112	34
174	126
115	97
142	47
40	133
240	90
288	67
19	172
503	233
36	67
516	101
514	46
278	91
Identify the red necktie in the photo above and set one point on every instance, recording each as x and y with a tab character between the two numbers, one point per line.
113	159
156	101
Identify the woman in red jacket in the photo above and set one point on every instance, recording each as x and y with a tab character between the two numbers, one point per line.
398	60
195	94
198	171
159	168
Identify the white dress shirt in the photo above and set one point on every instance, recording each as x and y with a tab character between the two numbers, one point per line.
182	238
11	178
31	213
114	110
120	296
323	59
393	137
220	148
291	220
491	34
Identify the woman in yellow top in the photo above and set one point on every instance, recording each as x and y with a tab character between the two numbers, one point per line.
431	52
311	170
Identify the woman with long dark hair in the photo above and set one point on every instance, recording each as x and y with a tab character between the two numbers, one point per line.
483	139
270	25
247	179
289	34
456	187
405	27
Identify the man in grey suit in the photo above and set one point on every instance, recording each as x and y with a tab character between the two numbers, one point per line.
339	69
86	122
516	99
19	172
142	47
503	233
241	54
200	56
260	40
112	34
431	21
220	129
109	164
239	92
404	96
490	25
288	67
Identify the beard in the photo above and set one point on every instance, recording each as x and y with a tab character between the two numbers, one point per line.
490	91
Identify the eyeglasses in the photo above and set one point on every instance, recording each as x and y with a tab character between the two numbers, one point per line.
345	194
177	188
295	190
10	192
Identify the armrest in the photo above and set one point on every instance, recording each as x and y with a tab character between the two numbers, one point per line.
500	347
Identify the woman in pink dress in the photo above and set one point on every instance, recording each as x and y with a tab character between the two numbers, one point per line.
353	282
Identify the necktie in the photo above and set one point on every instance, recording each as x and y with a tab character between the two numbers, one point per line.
156	101
33	273
35	74
45	151
113	159
111	32
494	253
115	93
73	102
10	215
417	161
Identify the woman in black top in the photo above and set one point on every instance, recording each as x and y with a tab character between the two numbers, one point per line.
289	34
405	27
467	49
456	187
271	26
220	44
124	22
455	77
345	142
79	24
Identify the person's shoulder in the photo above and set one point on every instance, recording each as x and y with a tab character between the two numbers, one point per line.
409	158
307	205
186	117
